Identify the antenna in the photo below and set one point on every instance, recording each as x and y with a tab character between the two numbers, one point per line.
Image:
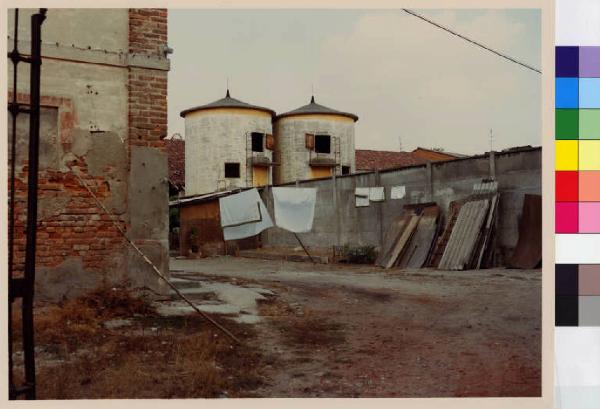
491	140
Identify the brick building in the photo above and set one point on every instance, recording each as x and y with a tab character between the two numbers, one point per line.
104	117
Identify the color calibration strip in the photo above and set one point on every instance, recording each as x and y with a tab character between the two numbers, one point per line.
577	248
577	139
577	134
577	295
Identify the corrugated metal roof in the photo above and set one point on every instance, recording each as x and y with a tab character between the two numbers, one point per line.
485	187
464	235
314	108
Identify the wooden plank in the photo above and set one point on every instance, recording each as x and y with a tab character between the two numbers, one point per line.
488	230
421	243
391	237
403	240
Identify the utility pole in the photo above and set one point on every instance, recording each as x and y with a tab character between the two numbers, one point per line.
491	140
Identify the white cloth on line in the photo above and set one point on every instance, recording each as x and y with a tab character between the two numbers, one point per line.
397	192
238	207
377	194
362	196
294	208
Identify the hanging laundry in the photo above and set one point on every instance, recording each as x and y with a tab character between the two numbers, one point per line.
377	194
243	215
236	211
397	192
294	208
361	195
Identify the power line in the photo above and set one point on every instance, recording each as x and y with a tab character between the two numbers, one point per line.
498	53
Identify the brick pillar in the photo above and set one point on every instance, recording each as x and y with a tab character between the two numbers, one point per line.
148	187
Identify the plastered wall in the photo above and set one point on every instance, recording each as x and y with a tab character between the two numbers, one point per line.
338	221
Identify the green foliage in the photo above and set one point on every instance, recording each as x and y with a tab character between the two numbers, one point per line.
173	217
359	254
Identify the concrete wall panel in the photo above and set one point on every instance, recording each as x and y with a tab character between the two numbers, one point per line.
339	222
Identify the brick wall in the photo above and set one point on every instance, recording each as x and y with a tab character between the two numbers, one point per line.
77	242
147	87
147	31
70	225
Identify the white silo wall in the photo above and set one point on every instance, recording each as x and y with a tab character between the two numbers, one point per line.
290	143
214	137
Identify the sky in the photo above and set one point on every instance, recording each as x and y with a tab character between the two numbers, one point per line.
411	84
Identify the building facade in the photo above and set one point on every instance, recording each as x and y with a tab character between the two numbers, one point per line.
228	145
104	117
314	141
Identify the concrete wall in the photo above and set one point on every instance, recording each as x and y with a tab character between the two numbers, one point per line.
291	146
216	136
339	222
94	120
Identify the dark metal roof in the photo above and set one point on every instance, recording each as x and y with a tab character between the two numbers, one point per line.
227	102
314	108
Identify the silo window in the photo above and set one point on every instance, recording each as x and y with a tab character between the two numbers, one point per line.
232	170
322	143
257	142
345	170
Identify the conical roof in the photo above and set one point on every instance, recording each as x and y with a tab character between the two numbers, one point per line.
314	108
227	102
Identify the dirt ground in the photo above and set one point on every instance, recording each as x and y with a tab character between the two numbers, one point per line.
316	331
357	331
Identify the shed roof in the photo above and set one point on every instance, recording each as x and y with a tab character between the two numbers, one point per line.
227	102
314	108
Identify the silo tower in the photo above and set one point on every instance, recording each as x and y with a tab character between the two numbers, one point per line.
314	141
228	144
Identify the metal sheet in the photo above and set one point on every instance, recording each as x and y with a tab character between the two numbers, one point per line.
442	240
422	241
528	253
464	235
485	187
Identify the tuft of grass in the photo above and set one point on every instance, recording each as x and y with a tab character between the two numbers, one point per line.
154	357
204	365
311	330
70	323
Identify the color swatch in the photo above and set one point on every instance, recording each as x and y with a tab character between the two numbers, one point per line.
577	249
577	179
577	139
577	295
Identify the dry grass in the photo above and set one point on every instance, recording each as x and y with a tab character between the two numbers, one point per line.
71	322
155	357
311	330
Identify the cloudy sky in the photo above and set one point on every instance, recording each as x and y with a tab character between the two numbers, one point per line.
410	83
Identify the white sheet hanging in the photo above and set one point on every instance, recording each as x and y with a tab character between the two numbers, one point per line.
294	208
377	194
243	215
238	209
361	195
397	192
